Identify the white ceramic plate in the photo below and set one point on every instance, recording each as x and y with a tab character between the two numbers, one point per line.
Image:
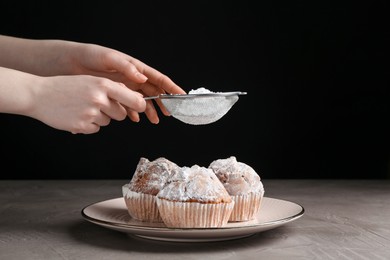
113	214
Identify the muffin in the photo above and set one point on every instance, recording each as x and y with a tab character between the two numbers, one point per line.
148	179
244	186
194	198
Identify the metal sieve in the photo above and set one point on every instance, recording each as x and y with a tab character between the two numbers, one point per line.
199	108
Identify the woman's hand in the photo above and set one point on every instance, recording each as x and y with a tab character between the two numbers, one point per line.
83	103
104	62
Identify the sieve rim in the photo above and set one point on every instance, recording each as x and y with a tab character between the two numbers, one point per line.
196	95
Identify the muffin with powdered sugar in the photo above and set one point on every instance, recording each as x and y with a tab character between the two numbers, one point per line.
194	198
148	179
243	184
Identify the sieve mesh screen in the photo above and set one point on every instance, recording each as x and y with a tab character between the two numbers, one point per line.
199	110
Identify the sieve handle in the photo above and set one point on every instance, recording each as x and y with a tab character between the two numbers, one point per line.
151	97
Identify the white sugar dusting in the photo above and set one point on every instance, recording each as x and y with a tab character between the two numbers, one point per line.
151	176
194	184
238	178
200	90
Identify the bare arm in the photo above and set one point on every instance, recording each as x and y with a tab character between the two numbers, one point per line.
78	104
40	57
100	73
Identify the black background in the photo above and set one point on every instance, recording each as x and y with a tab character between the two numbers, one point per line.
316	73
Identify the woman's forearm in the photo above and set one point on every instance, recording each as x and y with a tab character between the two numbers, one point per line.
39	57
16	91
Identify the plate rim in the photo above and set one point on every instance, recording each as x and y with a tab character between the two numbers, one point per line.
275	223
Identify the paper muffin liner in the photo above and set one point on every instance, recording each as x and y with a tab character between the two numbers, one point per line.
246	207
141	206
193	214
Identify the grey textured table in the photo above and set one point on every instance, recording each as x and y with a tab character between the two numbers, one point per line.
344	219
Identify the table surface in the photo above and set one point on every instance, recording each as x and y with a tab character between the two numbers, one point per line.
343	219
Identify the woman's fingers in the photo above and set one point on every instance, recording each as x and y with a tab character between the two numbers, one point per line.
139	72
150	113
113	109
150	90
160	80
134	116
120	63
102	120
127	97
89	129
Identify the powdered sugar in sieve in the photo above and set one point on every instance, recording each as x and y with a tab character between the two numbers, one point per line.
200	106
